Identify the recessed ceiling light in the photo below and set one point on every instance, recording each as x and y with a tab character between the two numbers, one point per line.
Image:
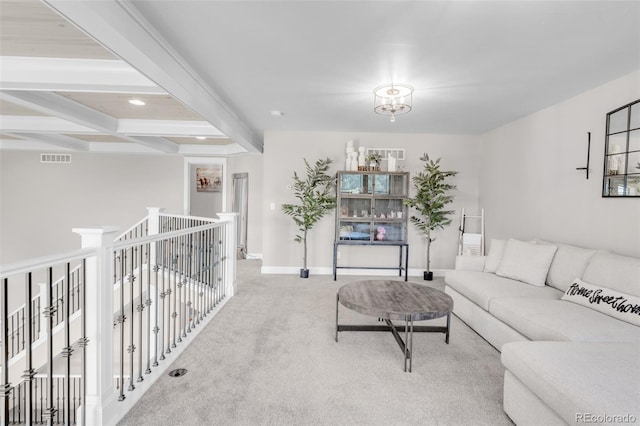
277	113
201	137
137	102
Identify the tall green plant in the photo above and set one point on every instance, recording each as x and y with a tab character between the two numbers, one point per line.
315	193
432	197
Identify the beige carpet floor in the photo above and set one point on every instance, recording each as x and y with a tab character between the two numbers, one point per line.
269	358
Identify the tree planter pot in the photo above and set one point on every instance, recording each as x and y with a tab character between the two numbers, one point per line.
428	276
304	273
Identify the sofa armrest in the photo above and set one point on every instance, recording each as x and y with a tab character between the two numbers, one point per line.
470	263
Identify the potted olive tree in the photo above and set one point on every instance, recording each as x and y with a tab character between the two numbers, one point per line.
432	197
316	197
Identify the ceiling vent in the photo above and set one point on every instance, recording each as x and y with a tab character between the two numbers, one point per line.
55	158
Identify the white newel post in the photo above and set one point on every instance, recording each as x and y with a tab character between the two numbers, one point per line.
154	220
230	248
99	325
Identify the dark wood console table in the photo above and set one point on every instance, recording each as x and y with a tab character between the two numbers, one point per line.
403	258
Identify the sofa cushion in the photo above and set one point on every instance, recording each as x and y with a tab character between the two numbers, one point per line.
496	250
526	262
614	271
559	320
568	263
579	379
609	302
482	287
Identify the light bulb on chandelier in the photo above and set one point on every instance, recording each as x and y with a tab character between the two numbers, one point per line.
392	99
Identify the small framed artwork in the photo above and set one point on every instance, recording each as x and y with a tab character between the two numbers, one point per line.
209	179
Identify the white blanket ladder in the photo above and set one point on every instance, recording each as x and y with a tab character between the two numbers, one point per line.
471	237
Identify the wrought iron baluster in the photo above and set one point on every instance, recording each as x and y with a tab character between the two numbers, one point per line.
29	372
67	351
174	314
131	348
83	342
121	319
156	328
5	391
171	285
208	272
221	289
212	270
160	322
50	313
140	311
198	278
179	286
148	303
189	282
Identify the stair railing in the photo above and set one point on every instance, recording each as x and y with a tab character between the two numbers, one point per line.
34	389
171	276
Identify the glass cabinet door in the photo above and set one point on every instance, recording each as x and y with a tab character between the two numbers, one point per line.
371	207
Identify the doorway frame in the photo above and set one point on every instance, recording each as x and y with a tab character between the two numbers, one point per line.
188	162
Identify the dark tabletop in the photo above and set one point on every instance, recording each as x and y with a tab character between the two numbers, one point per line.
395	300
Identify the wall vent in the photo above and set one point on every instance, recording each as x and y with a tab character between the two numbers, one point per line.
397	153
55	158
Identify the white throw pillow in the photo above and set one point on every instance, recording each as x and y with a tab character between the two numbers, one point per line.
496	250
526	262
609	302
568	263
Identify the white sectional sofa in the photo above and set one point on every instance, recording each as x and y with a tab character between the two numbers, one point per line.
567	321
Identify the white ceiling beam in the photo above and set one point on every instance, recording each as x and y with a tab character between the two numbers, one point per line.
61	107
73	75
131	127
67	109
168	127
123	147
221	150
41	124
61	141
118	25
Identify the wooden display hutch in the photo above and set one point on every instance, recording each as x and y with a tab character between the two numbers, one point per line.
370	211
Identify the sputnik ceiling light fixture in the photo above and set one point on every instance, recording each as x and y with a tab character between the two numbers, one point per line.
392	99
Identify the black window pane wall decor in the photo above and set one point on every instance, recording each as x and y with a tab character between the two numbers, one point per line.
622	152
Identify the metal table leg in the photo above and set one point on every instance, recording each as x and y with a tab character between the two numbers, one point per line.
446	336
337	304
411	345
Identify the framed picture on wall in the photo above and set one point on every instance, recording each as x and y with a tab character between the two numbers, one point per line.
209	179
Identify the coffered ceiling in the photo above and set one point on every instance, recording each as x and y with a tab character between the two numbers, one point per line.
219	68
63	90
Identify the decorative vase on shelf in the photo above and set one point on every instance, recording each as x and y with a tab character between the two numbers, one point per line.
361	158
391	163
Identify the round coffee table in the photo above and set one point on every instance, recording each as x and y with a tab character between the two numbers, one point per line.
395	300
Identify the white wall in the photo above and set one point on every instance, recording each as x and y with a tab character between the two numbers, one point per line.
284	153
252	165
529	185
41	203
